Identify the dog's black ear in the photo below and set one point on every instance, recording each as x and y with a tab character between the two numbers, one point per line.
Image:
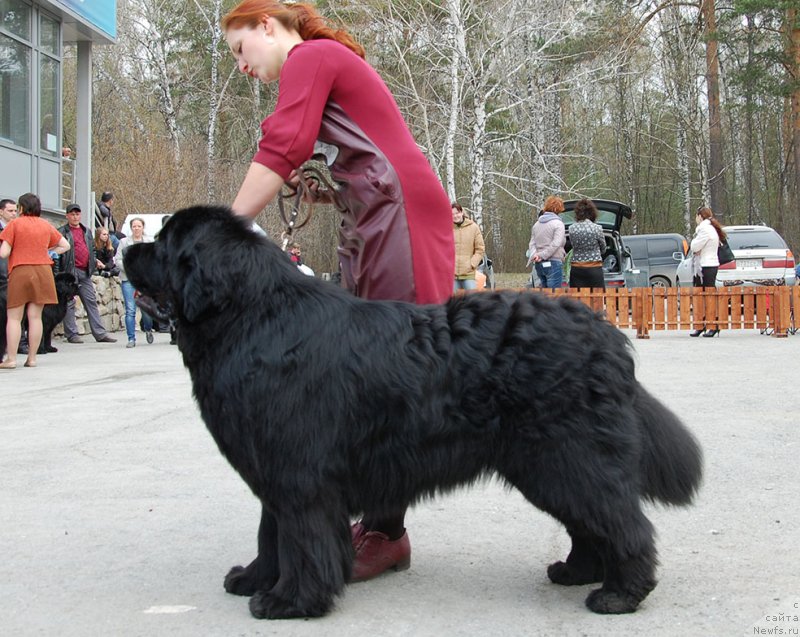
199	294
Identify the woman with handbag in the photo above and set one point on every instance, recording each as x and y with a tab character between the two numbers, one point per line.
705	245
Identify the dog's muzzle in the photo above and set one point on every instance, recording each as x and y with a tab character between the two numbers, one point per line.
161	311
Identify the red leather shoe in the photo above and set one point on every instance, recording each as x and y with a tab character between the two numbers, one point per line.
376	553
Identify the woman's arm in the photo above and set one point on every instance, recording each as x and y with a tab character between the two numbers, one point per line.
479	249
558	241
700	238
62	247
531	247
601	238
260	186
5	250
119	256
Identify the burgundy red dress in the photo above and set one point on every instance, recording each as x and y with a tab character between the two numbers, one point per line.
396	239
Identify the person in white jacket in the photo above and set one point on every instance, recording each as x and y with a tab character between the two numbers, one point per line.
705	244
128	292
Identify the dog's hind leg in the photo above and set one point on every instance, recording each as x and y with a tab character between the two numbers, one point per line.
604	513
315	560
584	564
262	572
630	564
623	538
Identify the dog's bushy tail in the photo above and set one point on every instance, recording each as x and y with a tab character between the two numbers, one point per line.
672	461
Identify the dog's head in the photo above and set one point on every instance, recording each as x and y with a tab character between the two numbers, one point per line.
66	285
196	265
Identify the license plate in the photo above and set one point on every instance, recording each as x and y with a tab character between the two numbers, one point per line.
748	264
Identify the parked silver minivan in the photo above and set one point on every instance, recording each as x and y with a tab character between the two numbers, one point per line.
661	253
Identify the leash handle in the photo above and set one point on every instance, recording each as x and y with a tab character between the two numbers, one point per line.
302	194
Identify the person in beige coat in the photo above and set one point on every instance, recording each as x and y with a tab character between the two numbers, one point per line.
469	249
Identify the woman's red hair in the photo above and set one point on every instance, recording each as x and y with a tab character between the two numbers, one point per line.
553	204
299	17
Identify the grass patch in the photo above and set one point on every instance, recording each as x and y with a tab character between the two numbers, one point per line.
512	280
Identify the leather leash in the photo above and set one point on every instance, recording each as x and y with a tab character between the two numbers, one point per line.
302	195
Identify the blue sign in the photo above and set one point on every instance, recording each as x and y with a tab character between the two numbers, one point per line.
99	13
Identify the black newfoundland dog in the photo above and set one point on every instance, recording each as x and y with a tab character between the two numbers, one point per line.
52	314
328	406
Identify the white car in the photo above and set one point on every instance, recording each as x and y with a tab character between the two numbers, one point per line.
762	258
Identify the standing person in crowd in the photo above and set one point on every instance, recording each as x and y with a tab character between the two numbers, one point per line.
105	205
295	254
469	249
396	238
81	262
128	292
546	247
8	212
705	262
588	245
104	253
25	242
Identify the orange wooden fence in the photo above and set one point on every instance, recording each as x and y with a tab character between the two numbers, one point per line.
770	309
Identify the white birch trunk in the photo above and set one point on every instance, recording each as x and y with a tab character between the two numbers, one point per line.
477	159
458	54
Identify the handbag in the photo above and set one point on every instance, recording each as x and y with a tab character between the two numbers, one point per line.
724	253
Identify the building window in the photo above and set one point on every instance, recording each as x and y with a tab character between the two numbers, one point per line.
49	36
49	84
48	105
15	17
30	78
15	82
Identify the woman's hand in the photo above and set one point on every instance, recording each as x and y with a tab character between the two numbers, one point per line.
312	193
62	247
259	187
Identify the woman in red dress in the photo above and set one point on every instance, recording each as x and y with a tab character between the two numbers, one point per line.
396	238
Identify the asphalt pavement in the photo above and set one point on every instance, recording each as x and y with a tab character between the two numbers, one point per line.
120	517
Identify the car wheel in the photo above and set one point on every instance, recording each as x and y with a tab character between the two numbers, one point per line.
659	282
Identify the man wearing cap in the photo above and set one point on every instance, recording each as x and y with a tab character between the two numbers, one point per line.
80	261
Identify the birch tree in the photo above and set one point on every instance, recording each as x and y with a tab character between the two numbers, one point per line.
716	160
680	42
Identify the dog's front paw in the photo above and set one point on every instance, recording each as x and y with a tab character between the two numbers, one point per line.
566	575
265	605
239	581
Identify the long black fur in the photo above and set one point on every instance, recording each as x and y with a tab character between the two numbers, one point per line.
52	313
329	406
